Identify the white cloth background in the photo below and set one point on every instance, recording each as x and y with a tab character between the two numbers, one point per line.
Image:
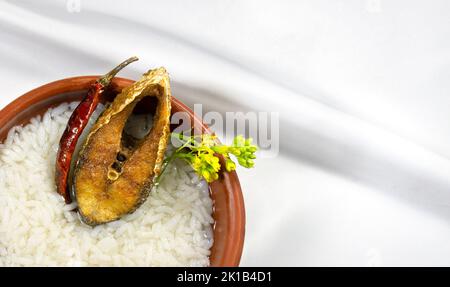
362	88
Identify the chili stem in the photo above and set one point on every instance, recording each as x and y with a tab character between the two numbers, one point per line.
104	80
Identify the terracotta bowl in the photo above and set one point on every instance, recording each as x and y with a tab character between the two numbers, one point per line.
229	213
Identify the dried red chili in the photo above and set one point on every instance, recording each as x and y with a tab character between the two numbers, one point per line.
77	122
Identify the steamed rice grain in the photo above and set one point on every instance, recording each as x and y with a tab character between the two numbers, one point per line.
172	228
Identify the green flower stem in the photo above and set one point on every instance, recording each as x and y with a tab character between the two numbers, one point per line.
201	152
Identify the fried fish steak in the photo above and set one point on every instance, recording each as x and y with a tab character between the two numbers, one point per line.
111	179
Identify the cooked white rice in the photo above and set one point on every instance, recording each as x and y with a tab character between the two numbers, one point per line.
172	228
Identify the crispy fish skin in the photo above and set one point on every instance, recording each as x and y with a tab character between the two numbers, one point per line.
104	193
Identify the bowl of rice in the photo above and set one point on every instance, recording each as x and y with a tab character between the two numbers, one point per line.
185	222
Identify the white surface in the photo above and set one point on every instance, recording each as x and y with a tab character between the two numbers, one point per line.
362	89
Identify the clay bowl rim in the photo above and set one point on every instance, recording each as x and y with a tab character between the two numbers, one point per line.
226	188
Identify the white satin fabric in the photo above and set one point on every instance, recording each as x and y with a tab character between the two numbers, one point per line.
362	88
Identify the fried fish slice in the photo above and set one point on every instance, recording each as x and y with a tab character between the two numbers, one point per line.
111	179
